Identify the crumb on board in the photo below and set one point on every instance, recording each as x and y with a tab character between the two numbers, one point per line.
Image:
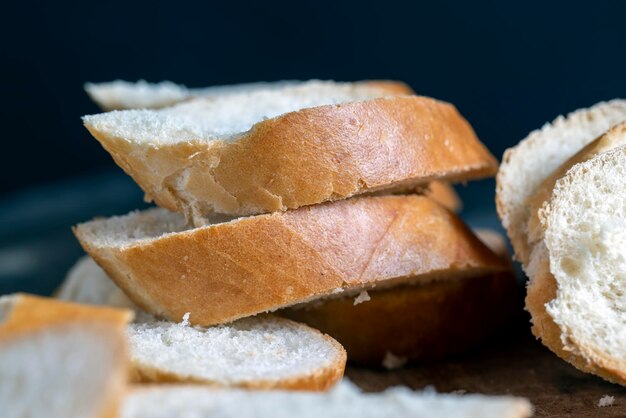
606	400
392	362
362	297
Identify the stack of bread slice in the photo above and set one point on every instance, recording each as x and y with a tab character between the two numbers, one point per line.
559	195
320	200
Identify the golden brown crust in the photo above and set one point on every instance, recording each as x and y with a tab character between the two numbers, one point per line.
228	271
310	156
28	315
416	322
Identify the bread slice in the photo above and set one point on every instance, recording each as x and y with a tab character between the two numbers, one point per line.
258	353
230	270
416	322
278	149
121	95
343	402
575	292
60	360
527	165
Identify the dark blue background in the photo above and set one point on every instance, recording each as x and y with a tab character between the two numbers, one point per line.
508	66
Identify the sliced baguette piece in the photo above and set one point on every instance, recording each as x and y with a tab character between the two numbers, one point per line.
278	149
418	322
122	95
576	291
256	353
60	360
525	166
343	402
230	270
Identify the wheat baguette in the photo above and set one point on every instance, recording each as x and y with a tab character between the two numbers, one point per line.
254	353
525	166
417	322
123	95
246	266
272	150
60	360
344	401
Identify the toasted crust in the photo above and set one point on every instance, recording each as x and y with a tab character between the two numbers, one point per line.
29	315
326	153
415	322
321	380
223	272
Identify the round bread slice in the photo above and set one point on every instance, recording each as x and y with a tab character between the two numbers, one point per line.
343	402
264	352
525	166
582	268
542	287
60	360
418	322
238	268
278	149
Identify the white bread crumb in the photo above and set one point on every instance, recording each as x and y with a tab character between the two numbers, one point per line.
185	322
393	362
362	297
606	400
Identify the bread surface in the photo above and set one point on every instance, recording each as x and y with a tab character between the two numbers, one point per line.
235	269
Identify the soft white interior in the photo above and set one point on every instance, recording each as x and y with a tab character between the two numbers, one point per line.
586	240
224	116
121	94
247	350
544	150
140	226
56	373
342	402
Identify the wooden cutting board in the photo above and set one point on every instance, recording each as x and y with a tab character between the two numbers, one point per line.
511	363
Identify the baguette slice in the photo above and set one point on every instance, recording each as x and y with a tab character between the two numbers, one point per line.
575	295
416	322
278	149
525	166
257	353
230	270
343	402
60	360
123	95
